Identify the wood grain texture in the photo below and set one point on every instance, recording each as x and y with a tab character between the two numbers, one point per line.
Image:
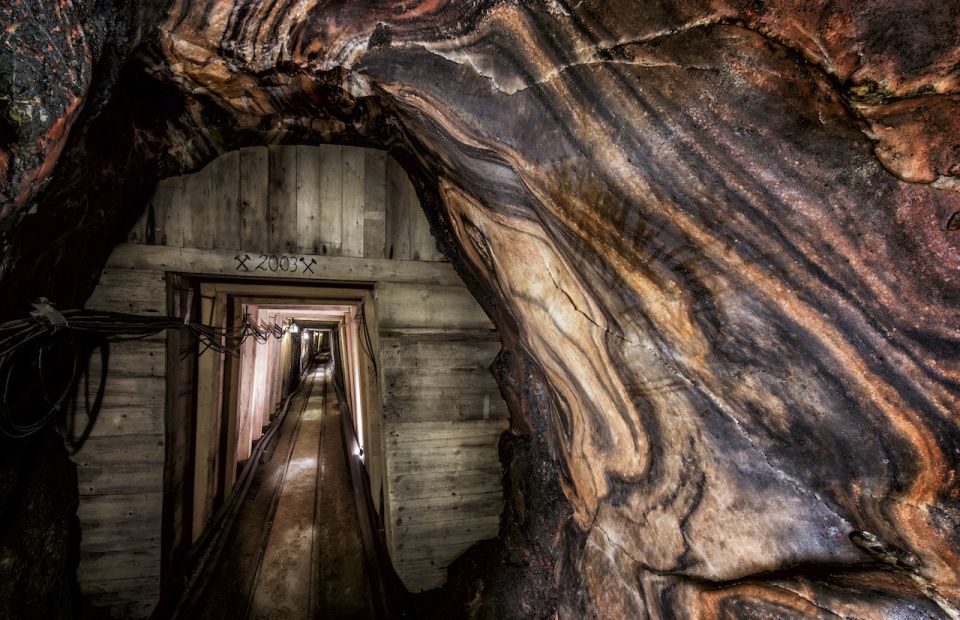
352	173
309	204
281	200
225	199
254	201
374	203
442	417
331	197
313	200
398	223
120	468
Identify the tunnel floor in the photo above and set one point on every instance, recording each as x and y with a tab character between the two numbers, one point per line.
294	550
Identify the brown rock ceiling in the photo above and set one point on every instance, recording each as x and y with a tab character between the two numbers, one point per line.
716	239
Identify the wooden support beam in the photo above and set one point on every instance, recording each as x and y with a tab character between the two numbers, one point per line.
321	268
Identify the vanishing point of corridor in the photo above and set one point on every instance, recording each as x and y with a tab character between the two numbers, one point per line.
295	550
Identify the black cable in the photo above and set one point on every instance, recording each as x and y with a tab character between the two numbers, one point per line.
92	409
30	382
368	348
27	375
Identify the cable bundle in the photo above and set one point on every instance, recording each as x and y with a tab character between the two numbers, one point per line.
364	328
43	357
38	369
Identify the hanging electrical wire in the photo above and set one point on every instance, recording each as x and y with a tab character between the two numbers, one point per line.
366	344
43	357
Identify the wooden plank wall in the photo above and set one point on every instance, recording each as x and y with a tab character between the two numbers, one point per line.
120	468
443	416
181	426
313	200
356	213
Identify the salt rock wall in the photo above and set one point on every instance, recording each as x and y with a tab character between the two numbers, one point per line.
718	239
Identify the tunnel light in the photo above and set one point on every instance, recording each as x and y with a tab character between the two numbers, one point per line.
294	328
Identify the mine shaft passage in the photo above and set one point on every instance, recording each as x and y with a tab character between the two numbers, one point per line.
294	546
280	518
345	262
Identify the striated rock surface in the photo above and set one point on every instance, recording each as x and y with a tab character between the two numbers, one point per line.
38	529
718	238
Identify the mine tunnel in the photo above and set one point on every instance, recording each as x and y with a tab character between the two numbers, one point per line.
479	309
215	476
